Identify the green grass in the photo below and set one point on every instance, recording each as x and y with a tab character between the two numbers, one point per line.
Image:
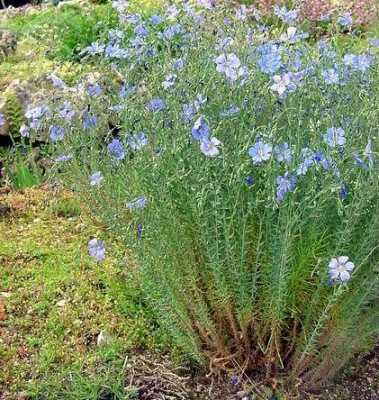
24	174
64	31
48	347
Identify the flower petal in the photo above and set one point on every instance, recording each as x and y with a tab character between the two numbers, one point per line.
343	259
345	276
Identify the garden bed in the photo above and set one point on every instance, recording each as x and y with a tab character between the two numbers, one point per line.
209	229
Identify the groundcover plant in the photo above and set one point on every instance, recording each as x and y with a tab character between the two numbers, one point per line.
239	166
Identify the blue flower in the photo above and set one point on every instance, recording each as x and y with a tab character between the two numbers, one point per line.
126	90
362	63
172	12
209	147
224	43
320	158
156	104
308	159
2	120
281	83
334	137
156	19
271	60
115	36
200	130
24	131
359	162
285	184
64	157
232	110
283	153
302	169
178	64
94	48
228	64
89	120
57	82
56	133
331	76
345	20
340	268
137	141
287	16
36	113
171	32
132	19
67	112
249	180
374	42
241	12
188	112
326	50
116	149
209	4
343	193
94	90
96	178
260	152
358	62
96	249
139	231
141	31
115	51
139	202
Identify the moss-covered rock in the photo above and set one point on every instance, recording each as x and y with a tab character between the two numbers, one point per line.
8	43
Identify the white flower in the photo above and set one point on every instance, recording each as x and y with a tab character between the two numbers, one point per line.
96	249
169	81
291	32
209	147
281	83
228	64
340	268
24	130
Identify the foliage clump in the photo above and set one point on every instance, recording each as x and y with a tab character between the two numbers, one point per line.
14	113
240	165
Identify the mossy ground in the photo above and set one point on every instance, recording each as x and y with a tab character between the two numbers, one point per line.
56	300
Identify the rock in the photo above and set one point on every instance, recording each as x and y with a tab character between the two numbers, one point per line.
8	43
69	3
61	303
103	338
5	210
3	314
4	126
5	295
22	90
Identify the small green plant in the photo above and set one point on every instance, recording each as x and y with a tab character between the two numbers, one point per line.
67	207
24	173
14	114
